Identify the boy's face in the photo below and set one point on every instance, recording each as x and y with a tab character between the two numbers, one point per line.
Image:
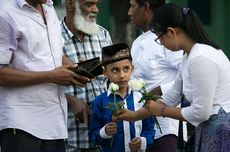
119	73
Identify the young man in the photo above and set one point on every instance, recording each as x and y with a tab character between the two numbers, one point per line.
120	136
33	108
83	39
156	65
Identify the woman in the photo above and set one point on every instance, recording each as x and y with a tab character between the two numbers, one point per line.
204	80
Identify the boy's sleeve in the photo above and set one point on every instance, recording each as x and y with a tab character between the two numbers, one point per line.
147	132
97	123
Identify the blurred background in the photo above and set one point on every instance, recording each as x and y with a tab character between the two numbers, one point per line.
214	14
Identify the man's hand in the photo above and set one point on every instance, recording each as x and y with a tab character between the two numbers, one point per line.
80	109
111	128
135	144
63	75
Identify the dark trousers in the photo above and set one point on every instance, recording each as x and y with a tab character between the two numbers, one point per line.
167	143
14	140
74	149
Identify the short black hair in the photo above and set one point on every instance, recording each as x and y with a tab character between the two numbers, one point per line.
154	4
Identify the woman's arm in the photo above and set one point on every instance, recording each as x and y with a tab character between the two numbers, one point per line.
160	109
204	80
129	115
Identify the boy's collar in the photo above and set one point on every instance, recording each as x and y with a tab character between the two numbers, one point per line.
128	92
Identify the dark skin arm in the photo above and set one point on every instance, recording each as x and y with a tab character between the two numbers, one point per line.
152	108
158	108
63	75
11	77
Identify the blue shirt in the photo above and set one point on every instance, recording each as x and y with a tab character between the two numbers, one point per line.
126	131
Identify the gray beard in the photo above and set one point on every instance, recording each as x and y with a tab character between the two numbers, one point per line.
82	22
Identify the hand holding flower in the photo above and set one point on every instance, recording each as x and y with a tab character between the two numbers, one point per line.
126	114
139	85
155	108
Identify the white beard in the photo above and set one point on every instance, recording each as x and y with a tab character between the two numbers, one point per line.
83	22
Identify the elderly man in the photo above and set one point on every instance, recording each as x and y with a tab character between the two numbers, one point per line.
83	39
33	108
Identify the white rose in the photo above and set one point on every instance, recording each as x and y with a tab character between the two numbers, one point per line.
136	84
113	87
142	82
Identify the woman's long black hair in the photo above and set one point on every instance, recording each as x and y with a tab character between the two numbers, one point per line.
172	15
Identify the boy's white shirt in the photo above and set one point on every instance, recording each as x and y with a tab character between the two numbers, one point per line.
126	126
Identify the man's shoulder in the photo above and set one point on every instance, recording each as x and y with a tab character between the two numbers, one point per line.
146	40
147	35
101	28
103	31
7	7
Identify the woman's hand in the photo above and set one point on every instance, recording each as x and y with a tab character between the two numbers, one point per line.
125	114
128	115
154	107
111	128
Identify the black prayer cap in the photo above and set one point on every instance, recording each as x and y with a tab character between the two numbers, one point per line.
115	52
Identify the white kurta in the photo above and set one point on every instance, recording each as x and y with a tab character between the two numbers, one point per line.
28	44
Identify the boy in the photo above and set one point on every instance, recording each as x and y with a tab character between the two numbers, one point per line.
120	136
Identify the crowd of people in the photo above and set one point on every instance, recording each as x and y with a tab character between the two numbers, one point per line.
46	107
